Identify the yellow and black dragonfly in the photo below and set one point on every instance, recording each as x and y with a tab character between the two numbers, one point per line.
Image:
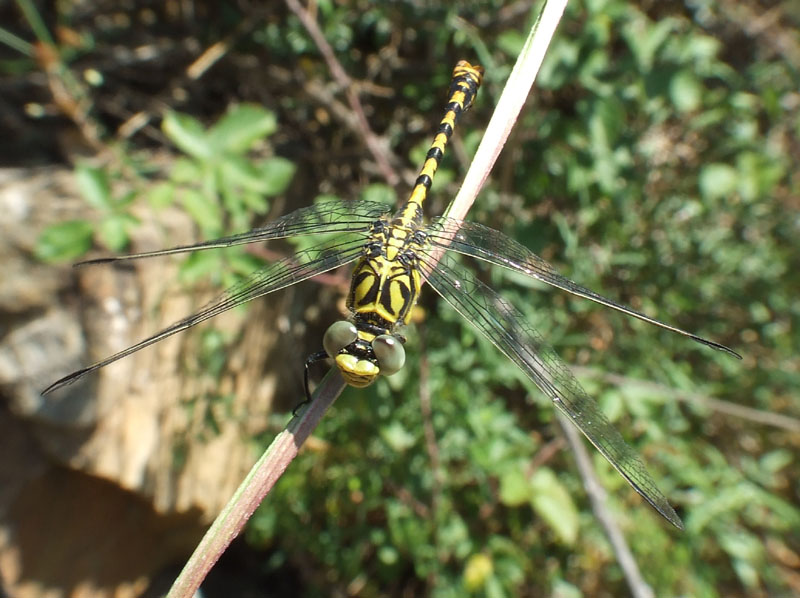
394	253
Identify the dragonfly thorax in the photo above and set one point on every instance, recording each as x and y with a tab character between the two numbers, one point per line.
386	280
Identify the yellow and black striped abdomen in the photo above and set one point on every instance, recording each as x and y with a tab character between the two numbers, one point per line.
463	88
386	280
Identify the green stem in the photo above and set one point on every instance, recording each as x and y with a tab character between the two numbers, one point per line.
35	21
256	485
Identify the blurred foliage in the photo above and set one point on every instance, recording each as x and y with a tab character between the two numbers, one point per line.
218	183
653	164
69	240
656	162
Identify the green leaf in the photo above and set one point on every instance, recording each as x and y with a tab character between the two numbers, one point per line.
645	39
721	506
188	135
113	230
477	571
747	552
776	460
388	555
397	437
239	172
553	503
612	403
454	536
254	202
702	47
276	173
758	174
94	186
685	91
242	263
718	180
64	241
559	63
515	488
608	117
125	200
203	210
240	128
380	193
161	195
510	42
564	589
186	170
201	264
747	573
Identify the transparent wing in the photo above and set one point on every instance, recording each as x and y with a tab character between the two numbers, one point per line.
502	324
332	216
476	240
283	273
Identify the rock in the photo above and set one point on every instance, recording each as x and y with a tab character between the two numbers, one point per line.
123	467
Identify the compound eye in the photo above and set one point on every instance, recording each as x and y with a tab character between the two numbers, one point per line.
338	336
390	354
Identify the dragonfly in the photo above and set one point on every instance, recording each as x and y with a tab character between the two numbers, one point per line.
394	253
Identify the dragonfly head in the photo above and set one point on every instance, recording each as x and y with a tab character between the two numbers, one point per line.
362	356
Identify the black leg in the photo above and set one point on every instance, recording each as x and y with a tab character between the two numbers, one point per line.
311	360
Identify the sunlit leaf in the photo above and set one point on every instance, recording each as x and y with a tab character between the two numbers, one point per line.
379	192
686	91
238	171
276	174
187	171
94	186
553	503
203	210
113	230
240	128
64	241
397	436
388	555
199	265
161	195
511	42
188	134
718	180
477	570
515	488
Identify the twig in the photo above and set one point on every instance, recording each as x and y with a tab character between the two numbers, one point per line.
70	95
543	455
259	481
321	94
372	142
508	107
40	30
210	56
15	42
597	496
768	418
420	509
498	130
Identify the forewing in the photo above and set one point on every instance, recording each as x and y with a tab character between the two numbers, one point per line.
283	273
333	216
476	240
502	324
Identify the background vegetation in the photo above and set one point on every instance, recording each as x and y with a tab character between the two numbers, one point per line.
655	162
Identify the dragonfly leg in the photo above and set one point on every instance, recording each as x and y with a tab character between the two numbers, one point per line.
311	360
